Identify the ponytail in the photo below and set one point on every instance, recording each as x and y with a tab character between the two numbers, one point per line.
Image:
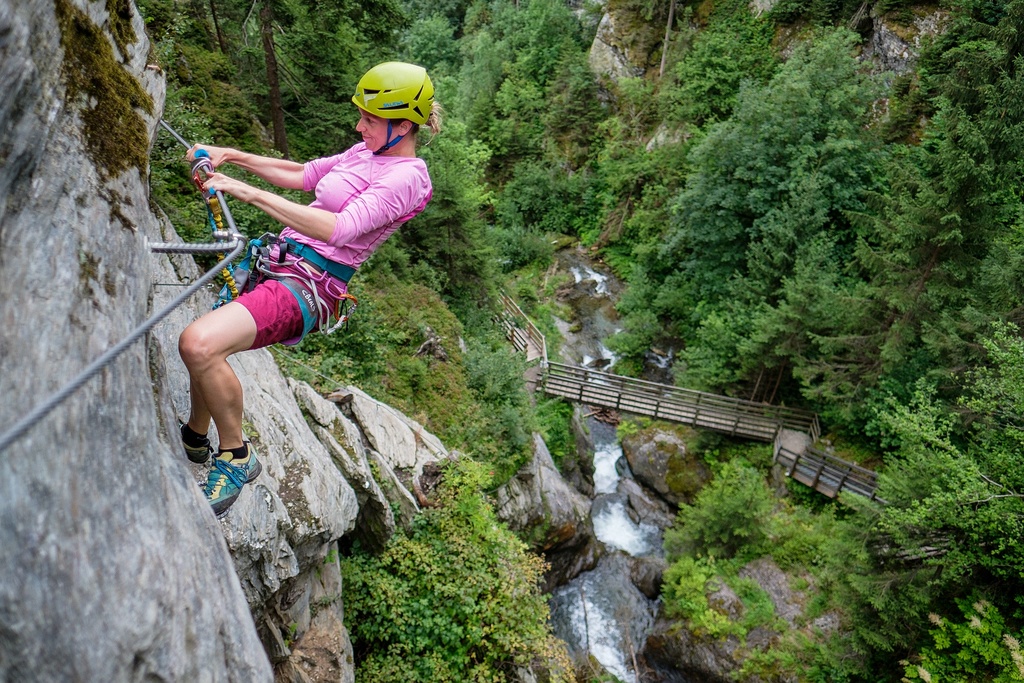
434	118
433	123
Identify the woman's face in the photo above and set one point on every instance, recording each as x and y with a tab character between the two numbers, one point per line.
374	130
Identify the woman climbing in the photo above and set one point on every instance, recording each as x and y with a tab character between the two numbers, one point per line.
362	196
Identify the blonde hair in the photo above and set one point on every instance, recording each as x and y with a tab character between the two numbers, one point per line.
434	119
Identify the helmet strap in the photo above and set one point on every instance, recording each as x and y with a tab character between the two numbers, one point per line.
390	142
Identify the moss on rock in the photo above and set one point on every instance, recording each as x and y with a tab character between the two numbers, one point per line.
115	134
662	457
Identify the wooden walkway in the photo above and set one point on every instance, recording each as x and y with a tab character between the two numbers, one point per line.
792	431
521	331
826	473
731	416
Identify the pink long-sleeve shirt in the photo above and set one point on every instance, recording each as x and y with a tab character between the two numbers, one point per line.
370	196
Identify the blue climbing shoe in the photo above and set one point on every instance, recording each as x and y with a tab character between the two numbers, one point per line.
197	454
227	477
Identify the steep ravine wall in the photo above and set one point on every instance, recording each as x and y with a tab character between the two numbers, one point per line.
112	565
107	555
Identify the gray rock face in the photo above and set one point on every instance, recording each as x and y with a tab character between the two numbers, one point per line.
108	548
610	55
895	47
645	508
578	467
375	522
540	505
397	446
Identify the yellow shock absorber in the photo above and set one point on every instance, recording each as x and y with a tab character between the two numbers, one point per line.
229	280
218	220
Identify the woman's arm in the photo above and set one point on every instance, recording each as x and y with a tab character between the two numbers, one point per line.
281	172
310	221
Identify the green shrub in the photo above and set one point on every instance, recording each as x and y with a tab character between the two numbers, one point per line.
798	536
729	515
455	599
981	648
554	420
685	594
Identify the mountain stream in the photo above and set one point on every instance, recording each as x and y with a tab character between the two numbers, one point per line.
601	613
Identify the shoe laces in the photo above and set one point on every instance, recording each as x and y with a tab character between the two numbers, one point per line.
234	473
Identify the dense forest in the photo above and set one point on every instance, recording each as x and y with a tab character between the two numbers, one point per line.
801	227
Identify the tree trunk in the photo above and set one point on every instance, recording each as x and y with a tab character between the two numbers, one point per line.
276	108
668	34
197	10
216	26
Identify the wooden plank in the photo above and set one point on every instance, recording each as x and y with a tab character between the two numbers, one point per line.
661	392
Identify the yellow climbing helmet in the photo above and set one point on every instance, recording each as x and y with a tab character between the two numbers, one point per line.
396	90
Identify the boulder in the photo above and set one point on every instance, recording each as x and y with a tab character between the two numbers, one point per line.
396	446
788	603
675	653
553	516
674	650
646	574
661	460
646	508
627	43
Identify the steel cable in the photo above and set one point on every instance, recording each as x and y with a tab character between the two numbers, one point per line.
237	244
41	411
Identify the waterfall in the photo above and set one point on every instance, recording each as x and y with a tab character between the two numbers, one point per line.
600	613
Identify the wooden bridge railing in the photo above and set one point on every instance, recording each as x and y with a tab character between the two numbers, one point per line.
521	331
826	473
820	470
710	411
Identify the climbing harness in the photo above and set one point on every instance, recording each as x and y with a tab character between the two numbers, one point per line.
315	311
259	262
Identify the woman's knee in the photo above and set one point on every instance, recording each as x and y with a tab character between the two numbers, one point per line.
216	336
197	346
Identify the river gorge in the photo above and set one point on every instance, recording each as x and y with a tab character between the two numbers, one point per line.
601	614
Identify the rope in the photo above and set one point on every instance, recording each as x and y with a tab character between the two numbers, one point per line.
291	359
41	411
237	244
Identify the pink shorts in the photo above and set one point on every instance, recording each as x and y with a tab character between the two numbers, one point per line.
277	313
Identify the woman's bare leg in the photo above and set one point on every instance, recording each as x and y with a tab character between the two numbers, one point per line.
215	391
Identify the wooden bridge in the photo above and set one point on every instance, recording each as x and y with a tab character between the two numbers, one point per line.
791	431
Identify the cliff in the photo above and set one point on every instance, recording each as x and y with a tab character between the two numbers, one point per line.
112	565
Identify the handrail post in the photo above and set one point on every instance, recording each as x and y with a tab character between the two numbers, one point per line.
842	481
817	476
